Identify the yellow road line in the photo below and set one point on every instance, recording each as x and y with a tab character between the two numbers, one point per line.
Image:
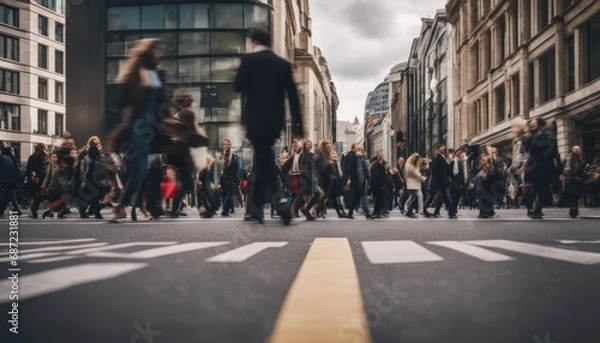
324	304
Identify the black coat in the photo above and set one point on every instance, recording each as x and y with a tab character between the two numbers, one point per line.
440	173
543	159
36	163
458	181
264	79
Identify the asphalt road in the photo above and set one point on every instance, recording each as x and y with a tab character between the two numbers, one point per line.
508	279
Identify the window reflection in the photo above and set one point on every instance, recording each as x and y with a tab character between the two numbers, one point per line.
224	69
257	17
159	17
194	70
228	16
194	16
112	70
123	18
228	43
118	44
194	43
170	68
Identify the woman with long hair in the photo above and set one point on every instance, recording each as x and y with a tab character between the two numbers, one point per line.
56	185
307	176
144	96
414	180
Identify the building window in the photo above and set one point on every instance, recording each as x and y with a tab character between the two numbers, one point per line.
60	93
9	15
500	104
42	121
42	56
194	70
543	14
9	48
159	17
10	118
43	88
500	41
223	69
59	124
515	102
124	18
228	16
591	49
256	17
570	64
43	25
59	62
9	81
54	5
194	43
194	16
531	90
59	31
228	43
547	76
515	33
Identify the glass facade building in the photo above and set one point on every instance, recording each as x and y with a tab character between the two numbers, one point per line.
201	44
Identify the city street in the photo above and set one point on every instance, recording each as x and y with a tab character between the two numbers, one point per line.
508	279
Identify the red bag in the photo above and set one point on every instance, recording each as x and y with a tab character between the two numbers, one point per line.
244	186
168	189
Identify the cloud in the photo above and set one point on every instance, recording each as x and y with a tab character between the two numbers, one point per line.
363	39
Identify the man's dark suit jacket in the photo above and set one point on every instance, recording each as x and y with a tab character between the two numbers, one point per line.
264	79
440	173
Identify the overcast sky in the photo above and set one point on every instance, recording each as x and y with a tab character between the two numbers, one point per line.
363	39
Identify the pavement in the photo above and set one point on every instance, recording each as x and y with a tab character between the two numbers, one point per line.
506	279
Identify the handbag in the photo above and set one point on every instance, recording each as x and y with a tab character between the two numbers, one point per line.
573	187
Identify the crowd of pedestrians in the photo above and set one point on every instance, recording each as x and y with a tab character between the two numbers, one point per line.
157	162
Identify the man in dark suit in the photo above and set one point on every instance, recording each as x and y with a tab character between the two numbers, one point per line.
440	183
264	79
460	177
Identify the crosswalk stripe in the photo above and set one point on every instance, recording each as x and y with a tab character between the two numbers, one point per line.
474	251
118	246
243	253
573	256
324	300
158	252
60	248
385	252
58	242
53	259
62	278
578	242
29	256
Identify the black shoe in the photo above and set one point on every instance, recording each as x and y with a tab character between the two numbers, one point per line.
427	214
452	216
98	216
34	215
83	216
573	212
483	216
48	214
411	215
350	216
224	214
437	215
285	212
63	213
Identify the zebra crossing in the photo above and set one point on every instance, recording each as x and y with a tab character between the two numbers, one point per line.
111	263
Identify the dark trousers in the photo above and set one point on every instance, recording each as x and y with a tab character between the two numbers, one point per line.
185	186
444	194
359	198
264	178
411	200
229	190
540	192
8	195
455	195
139	150
50	196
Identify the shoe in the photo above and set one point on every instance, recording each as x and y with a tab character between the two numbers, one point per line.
483	216
34	215
83	216
119	214
411	215
285	212
63	213
452	216
223	214
573	213
48	214
133	214
427	214
437	215
98	216
350	216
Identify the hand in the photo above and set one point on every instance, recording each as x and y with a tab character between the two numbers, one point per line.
348	183
562	177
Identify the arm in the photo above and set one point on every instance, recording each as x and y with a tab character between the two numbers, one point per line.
241	78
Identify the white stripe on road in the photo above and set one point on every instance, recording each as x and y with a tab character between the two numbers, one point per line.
573	256
59	248
383	252
243	253
158	252
578	242
477	252
118	246
62	278
59	242
53	259
29	257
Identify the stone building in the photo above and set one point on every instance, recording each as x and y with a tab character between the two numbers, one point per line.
420	87
32	74
515	60
377	121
